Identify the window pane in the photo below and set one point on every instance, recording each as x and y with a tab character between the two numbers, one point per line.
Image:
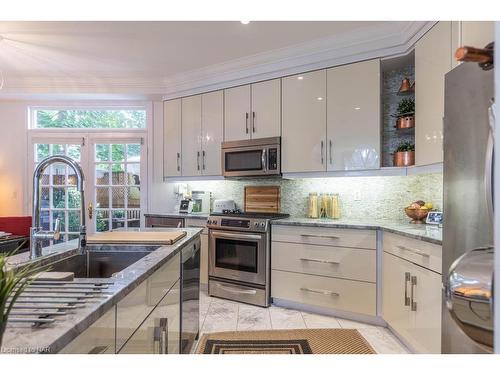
133	153
102	221
102	197
45	197
101	152
102	174
118	174
57	149
134	197
62	217
74	152
118	196
73	221
118	152
73	198
134	174
42	151
59	197
58	174
91	119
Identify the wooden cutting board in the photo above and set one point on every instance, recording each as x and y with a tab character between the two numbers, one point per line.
262	199
147	238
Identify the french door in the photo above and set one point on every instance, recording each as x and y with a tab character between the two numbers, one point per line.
114	167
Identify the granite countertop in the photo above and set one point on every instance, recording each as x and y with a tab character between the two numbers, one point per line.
179	215
423	232
51	338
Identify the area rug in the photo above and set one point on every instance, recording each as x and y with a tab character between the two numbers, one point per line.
294	341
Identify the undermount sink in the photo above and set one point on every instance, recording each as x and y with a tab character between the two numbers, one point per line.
97	263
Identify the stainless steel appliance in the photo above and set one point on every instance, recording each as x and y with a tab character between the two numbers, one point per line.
190	297
467	315
186	206
252	157
239	254
221	205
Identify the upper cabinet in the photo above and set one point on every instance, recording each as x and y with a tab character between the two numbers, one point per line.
433	59
303	143
202	127
353	116
172	117
252	111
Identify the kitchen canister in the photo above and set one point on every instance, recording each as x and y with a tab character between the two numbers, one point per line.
313	206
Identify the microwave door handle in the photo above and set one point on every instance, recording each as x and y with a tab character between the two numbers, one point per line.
264	160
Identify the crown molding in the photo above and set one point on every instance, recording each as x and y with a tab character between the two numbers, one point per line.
388	39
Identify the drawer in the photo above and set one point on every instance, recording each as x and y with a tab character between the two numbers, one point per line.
344	262
419	252
347	295
357	238
163	279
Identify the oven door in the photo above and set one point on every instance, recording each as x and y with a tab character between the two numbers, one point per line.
238	256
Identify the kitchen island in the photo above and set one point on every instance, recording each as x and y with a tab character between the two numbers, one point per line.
130	297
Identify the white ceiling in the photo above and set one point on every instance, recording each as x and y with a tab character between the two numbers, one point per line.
149	51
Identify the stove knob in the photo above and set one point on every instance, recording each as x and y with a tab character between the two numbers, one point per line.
262	225
256	224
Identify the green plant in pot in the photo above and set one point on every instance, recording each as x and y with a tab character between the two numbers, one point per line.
404	154
405	114
13	281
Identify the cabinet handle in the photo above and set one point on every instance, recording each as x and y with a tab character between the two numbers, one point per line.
413	284
203	153
198	159
253	122
321	291
414	251
163	328
246	122
319	260
331	146
320	236
178	162
407	299
98	349
322	156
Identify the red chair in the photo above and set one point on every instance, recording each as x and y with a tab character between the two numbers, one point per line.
17	225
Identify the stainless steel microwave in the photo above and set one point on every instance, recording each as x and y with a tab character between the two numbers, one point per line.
252	157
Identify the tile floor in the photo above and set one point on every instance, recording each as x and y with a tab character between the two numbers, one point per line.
221	315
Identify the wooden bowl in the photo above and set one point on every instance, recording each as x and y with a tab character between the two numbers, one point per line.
416	214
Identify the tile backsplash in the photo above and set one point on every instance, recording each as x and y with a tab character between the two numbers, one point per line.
381	197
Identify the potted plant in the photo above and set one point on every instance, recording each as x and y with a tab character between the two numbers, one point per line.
404	155
405	114
13	281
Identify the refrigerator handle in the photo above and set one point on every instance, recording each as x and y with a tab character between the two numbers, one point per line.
488	165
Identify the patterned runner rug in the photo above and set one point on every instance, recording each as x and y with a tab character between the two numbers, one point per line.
295	341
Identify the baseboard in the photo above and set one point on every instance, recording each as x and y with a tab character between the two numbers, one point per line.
363	318
401	339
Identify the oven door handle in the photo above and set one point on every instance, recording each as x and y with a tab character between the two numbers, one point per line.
239	236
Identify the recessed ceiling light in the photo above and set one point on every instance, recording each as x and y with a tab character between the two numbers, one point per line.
245	22
320	98
300	78
357	108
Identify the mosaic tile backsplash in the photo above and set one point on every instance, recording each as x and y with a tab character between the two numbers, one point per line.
361	198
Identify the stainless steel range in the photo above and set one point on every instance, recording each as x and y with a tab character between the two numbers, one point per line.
239	245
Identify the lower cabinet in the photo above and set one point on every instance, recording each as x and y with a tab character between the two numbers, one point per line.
99	338
411	297
159	333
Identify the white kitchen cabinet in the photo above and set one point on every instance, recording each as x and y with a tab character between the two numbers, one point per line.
99	338
411	296
160	331
201	223
191	135
477	33
433	59
212	127
252	111
304	122
237	108
353	113
266	109
172	125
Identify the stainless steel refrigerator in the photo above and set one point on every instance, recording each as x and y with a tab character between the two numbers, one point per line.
467	315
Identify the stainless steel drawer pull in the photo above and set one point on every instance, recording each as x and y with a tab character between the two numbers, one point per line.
321	291
98	349
236	291
414	251
319	236
319	260
407	279
413	284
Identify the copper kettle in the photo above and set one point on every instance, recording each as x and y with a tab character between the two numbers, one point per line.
405	85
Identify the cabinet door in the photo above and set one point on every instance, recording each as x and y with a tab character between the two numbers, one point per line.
266	109
304	122
477	33
395	286
159	333
433	59
172	138
427	298
353	113
237	113
191	135
212	125
99	338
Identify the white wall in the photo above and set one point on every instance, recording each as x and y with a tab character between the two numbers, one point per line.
13	155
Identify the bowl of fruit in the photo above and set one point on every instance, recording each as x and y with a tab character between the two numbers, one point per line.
418	211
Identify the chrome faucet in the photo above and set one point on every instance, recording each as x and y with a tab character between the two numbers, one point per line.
37	234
